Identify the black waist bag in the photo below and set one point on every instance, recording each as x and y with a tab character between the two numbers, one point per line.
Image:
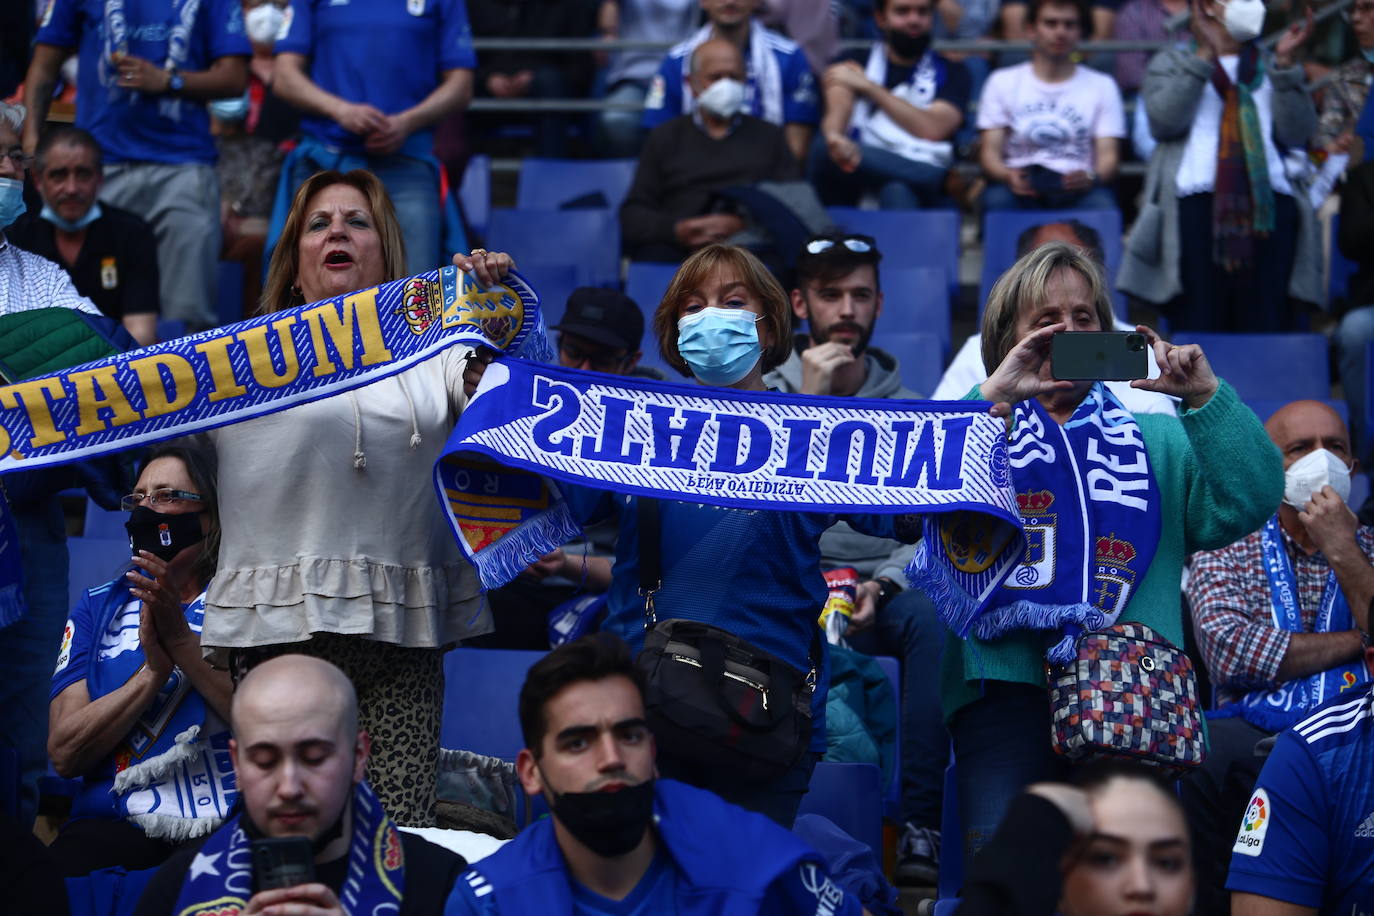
712	699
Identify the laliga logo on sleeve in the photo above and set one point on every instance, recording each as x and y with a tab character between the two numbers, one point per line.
1250	840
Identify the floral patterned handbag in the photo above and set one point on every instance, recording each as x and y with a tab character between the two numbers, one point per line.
1129	694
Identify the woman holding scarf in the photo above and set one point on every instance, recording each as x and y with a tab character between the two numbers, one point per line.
1225	237
334	544
1153	488
135	710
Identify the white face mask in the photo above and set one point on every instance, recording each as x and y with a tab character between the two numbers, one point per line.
723	98
1243	19
1310	473
262	23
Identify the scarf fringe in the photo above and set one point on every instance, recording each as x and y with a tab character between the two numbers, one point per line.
156	769
956	607
500	562
1026	615
175	829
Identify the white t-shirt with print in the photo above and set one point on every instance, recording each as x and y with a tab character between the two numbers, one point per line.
1051	124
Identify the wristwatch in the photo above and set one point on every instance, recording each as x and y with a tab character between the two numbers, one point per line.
175	83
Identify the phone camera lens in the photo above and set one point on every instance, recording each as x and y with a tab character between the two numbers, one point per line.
1135	342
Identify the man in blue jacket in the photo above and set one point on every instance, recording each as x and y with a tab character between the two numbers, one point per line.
620	839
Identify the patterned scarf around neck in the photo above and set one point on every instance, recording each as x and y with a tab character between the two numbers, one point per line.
1243	199
220	880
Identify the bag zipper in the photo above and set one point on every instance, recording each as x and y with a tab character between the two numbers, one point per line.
763	692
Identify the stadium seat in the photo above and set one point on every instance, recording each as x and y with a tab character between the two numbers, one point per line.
485	722
229	292
1264	408
920	357
909	238
554	283
850	795
551	184
92	562
892	792
170	329
589	239
1001	229
951	839
475	192
102	523
645	283
107	892
1268	366
914	300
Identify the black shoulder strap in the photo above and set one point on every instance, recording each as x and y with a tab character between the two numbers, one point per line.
650	555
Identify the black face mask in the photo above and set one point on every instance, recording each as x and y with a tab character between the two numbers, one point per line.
610	824
163	535
908	47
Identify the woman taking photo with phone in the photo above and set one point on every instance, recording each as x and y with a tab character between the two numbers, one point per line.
1113	503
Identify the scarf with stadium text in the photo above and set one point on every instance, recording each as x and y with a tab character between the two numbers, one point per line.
220	879
529	427
1090	509
261	365
1277	708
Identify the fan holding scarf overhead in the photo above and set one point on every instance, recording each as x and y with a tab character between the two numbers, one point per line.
1226	237
1112	503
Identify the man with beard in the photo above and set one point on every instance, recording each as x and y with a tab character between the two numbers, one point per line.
109	252
839	296
299	757
620	839
890	115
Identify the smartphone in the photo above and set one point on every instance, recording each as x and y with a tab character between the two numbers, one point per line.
282	862
1099	355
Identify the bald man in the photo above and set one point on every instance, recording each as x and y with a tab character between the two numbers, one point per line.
1281	618
299	757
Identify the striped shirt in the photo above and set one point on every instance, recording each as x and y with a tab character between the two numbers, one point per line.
28	281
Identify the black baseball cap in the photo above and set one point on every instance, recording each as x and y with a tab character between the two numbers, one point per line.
606	316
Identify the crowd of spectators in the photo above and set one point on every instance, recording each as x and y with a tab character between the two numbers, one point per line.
315	143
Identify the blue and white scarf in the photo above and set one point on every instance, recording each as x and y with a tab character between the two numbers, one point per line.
220	879
262	365
741	450
181	24
1090	510
872	126
171	774
1277	708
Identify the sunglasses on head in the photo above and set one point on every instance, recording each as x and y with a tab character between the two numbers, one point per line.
854	243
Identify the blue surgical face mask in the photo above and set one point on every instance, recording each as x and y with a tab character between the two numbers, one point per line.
235	109
90	216
11	200
721	346
1368	54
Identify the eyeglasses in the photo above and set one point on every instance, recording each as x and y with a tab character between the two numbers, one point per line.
18	158
603	361
163	497
855	243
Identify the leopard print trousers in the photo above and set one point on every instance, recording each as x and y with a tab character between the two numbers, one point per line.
400	703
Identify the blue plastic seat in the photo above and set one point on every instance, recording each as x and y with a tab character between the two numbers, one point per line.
1002	228
550	184
475	192
554	283
850	795
170	329
588	239
229	292
1261	366
645	283
909	238
105	524
914	299
482	698
920	357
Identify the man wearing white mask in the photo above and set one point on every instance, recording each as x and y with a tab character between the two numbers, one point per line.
672	208
1282	617
110	253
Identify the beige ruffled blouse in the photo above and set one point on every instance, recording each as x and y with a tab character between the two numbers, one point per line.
330	523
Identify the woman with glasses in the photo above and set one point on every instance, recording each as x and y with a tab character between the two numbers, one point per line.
135	711
334	544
